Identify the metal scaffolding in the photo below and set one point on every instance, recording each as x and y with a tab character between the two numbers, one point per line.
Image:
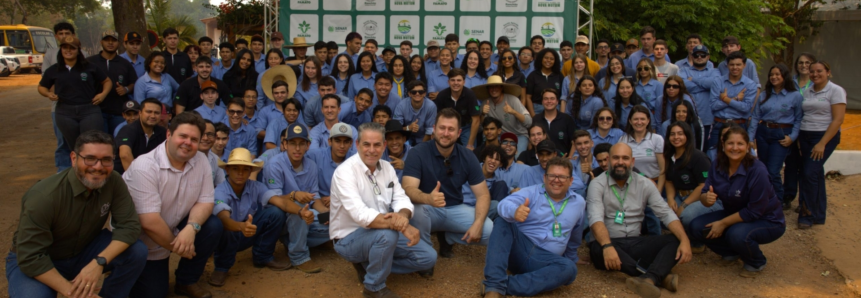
270	19
588	21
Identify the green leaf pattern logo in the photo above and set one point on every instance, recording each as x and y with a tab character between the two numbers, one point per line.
439	29
304	26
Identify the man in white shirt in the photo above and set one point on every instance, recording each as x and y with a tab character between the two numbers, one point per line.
368	210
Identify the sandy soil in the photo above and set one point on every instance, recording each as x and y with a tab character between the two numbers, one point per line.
801	263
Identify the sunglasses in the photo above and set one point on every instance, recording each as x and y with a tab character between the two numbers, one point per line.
449	171
605	118
509	143
235	112
508	58
673	86
700	55
645	68
417	92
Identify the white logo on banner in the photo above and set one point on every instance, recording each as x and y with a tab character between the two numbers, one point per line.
372	26
437	27
548	5
511	5
475	5
305	25
404	5
512	27
370	5
477	27
440	5
303	4
404	28
550	28
337	26
337	5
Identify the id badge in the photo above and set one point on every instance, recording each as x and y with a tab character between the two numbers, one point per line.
620	217
557	230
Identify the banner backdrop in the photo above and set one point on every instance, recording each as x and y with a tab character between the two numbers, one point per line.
392	21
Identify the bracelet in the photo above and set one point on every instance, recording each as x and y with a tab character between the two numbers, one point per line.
292	195
605	246
685	205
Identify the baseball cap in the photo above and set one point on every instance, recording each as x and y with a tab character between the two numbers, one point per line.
72	41
432	44
131	105
729	40
546	145
581	39
111	33
208	84
395	126
632	42
257	37
276	35
509	135
298	130
503	39
617	47
700	49
132	36
389	49
341	129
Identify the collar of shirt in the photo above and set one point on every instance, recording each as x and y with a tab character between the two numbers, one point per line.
740	81
164	163
289	164
78	188
242	128
827	88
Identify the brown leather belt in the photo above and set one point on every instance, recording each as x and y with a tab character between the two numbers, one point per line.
736	121
776	125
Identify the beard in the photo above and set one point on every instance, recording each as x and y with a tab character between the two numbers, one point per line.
700	65
436	140
90	184
623	175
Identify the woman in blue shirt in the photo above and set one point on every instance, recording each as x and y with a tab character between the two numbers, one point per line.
417	65
273	57
608	84
626	98
156	83
342	72
364	78
585	102
438	78
578	70
648	86
476	74
312	74
684	111
751	212
605	127
775	122
674	91
402	75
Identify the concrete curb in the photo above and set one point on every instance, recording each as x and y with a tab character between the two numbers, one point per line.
848	162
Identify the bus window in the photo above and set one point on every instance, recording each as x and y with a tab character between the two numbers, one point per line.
20	40
43	39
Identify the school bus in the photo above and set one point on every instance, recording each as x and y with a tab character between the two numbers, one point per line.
30	43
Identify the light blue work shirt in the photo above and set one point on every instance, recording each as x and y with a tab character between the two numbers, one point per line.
566	91
280	176
426	116
381	64
684	63
259	64
215	114
610	93
244	137
313	111
783	107
326	166
437	80
588	109
699	84
635	57
612	137
659	104
359	81
386	157
274	129
735	109
219	70
535	176
255	195
303	96
650	92
341	85
267	155
749	71
319	136
527	71
350	114
474	80
138	65
511	175
146	87
538	226
392	101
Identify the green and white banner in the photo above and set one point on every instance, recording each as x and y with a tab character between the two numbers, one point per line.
392	21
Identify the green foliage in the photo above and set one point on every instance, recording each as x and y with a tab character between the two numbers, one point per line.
238	16
37	11
798	17
160	16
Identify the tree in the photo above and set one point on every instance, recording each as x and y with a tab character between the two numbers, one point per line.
159	18
798	17
238	17
27	8
129	16
90	26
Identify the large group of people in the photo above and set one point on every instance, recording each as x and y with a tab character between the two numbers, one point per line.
532	153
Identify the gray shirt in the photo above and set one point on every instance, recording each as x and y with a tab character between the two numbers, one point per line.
817	106
509	122
666	71
639	192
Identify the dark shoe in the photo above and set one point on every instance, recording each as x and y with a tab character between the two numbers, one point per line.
445	249
729	260
384	293
787	206
426	273
488	294
193	290
671	282
750	271
642	287
217	278
360	270
698	249
275	265
804	226
309	267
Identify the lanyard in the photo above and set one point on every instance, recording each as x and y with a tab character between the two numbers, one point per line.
553	207
806	86
622	198
400	93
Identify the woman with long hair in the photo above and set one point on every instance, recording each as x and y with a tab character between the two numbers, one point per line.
674	91
273	57
537	133
626	98
684	111
578	71
605	127
241	74
417	65
648	86
586	101
510	73
547	74
648	151
615	73
311	75
365	75
793	161
193	53
474	69
402	75
438	78
751	213
342	71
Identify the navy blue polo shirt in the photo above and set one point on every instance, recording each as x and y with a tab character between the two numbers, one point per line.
429	166
120	71
75	86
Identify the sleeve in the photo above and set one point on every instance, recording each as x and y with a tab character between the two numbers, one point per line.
173	84
398	113
345	192
182	95
430	118
473	168
574	241
659	145
714	96
34	235
700	166
126	137
755	116
745	104
595	201
758	194
124	219
266	196
709	178
143	187
518	106
838	96
657	203
261	96
508	206
750	72
207	191
221	200
564	94
99	75
272	177
476	110
219	176
400	200
48	77
412	166
140	89
251	142
315	136
131	74
706	81
273	135
798	111
314	173
307	113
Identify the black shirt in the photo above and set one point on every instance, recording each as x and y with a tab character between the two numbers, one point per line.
517	78
75	86
528	157
466	105
692	174
536	82
120	71
178	66
188	94
429	166
238	85
133	135
560	131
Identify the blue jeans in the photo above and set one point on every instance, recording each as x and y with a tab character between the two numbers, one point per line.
741	239
454	220
538	108
112	121
62	158
651	223
464	136
269	221
382	251
154	281
534	270
714	135
298	236
772	153
522	143
813	198
125	269
791	172
693	211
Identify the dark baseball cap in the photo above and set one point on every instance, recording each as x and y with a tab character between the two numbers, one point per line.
700	49
389	49
729	40
546	145
510	136
132	36
131	105
503	39
617	47
297	130
276	36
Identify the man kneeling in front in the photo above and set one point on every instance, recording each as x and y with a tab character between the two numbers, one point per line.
536	236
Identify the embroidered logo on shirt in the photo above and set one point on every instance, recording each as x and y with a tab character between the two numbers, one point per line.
271	181
120	79
84	77
219	202
105	208
561	135
705	174
649	152
686	178
182	71
738	193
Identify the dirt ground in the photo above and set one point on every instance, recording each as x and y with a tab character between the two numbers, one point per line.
821	262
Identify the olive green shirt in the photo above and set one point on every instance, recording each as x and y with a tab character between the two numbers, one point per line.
60	217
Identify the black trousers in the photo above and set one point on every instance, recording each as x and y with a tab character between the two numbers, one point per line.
648	256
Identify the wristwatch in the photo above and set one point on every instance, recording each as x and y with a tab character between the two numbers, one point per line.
101	261
605	246
195	226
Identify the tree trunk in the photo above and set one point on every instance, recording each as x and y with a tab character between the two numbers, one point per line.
129	16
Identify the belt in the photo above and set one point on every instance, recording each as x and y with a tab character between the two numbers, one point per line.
736	121
776	125
685	193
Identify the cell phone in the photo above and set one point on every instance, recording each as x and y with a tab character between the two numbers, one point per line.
323	218
705	231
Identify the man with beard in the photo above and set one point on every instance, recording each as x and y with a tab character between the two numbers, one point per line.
140	137
61	245
173	194
327	160
188	98
312	111
513	171
434	174
535	175
397	147
121	73
520	243
206	142
384	94
417	114
491	158
616	207
699	79
241	134
358	111
331	108
295	176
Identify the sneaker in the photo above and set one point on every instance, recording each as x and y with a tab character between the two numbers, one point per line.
426	273
193	290
360	270
804	226
217	278
698	249
445	249
488	294
671	282
750	271
383	293
643	287
309	267
275	265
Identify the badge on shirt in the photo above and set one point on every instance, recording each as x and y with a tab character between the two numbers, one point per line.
620	217
705	174
561	135
105	209
120	79
557	230
271	181
650	152
84	77
182	71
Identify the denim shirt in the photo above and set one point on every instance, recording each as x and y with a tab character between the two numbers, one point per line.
612	137
255	195
146	87
650	92
358	81
699	84
783	107
538	226
588	109
735	109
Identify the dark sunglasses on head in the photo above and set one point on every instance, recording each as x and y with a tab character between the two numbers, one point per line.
700	55
417	92
672	86
646	68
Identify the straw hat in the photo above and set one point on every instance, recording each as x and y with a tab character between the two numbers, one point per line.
298	42
278	73
240	157
481	90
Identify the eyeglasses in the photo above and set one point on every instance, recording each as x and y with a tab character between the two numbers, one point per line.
700	55
449	171
557	177
526	55
672	86
605	118
646	68
235	112
509	143
417	92
376	187
209	134
91	160
508	58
